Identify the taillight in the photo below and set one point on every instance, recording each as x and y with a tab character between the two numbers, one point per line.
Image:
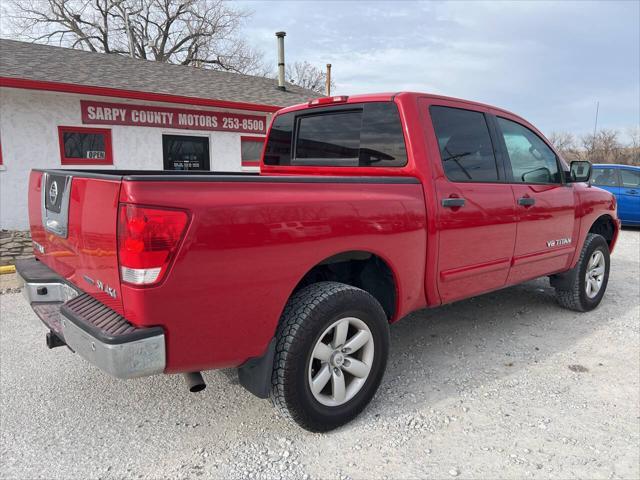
147	241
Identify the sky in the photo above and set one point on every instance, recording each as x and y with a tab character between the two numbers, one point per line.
549	62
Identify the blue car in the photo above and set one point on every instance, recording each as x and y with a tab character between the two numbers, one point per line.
624	182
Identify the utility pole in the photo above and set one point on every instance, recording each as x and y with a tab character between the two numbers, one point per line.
595	127
327	86
280	36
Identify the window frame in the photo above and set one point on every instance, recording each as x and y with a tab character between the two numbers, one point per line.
491	128
507	160
108	148
181	133
360	106
256	139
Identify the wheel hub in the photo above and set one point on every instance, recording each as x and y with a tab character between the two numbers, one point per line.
337	359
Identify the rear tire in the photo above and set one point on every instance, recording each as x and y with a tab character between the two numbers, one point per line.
582	288
316	382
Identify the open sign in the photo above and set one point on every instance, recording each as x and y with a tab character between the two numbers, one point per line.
95	154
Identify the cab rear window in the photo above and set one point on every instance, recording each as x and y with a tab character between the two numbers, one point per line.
367	135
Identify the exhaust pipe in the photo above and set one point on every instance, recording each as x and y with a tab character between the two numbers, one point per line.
195	382
281	84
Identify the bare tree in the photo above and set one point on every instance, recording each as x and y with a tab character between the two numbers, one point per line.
202	33
603	147
634	145
606	146
306	75
565	144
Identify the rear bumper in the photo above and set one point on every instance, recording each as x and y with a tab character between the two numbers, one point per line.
91	329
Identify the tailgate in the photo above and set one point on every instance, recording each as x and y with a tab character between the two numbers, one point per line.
73	224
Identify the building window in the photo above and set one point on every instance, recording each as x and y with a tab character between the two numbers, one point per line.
251	150
85	146
183	152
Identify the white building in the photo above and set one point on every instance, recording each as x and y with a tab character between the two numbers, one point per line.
63	108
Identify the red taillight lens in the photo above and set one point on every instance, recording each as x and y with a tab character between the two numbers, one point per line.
147	241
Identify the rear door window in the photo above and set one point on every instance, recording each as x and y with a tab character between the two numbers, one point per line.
465	144
605	177
630	178
369	134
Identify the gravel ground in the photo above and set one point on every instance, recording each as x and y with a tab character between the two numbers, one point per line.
505	385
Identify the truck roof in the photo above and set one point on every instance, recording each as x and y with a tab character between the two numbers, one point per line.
389	96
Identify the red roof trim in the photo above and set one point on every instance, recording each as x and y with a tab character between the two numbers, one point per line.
121	93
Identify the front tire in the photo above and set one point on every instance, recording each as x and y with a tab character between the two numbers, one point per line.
582	288
331	353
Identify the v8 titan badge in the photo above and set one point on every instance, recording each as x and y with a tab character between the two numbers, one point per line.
559	242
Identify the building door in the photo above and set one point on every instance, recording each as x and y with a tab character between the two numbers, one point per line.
476	209
182	152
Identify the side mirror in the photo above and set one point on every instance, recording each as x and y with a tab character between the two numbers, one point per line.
580	171
539	175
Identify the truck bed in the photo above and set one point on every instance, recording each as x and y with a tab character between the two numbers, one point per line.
250	240
200	176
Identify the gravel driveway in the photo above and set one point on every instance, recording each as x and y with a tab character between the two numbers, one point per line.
504	385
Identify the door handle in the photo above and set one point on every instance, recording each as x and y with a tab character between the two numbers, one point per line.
526	201
452	202
632	192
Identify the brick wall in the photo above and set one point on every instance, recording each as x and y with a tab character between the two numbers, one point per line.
14	244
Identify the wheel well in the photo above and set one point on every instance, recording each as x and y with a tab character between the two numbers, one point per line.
604	226
360	269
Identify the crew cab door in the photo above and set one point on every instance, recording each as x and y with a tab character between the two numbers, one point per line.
545	205
476	220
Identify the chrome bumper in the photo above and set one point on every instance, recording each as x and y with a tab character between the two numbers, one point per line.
47	292
137	353
131	359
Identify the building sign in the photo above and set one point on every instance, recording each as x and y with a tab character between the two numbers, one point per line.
101	113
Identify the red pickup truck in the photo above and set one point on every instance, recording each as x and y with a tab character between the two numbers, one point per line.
366	208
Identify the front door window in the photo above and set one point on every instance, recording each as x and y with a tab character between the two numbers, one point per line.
605	177
532	161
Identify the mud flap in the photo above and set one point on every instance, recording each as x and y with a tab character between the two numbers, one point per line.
255	373
563	281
